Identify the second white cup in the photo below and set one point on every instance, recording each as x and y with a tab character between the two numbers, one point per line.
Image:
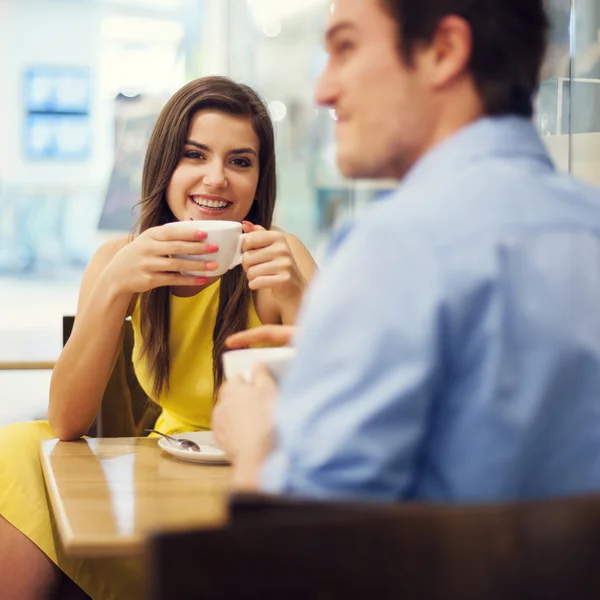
241	362
225	234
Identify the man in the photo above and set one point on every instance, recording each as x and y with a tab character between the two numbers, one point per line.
450	350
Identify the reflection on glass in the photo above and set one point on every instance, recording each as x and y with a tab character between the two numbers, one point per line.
552	116
568	103
584	92
557	63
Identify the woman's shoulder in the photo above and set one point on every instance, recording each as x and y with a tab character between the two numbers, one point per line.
106	251
103	255
295	243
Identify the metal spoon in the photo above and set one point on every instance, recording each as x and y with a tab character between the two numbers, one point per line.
181	443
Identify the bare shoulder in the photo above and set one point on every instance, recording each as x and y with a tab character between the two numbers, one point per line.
106	252
293	240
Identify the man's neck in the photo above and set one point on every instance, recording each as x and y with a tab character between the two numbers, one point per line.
452	115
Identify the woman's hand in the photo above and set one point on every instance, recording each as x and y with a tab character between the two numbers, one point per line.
270	264
147	262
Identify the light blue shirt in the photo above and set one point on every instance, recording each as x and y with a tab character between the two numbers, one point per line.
450	349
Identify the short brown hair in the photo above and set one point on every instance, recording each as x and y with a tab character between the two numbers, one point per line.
509	44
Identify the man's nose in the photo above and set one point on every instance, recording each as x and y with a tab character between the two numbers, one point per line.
325	90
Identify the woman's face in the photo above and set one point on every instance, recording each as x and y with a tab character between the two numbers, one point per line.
217	175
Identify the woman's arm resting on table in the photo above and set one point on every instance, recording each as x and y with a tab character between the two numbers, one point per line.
87	360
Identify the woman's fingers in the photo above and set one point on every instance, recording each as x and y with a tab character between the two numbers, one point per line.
165	233
275	335
179	247
269	282
273	267
169	264
178	279
248	227
264	255
261	238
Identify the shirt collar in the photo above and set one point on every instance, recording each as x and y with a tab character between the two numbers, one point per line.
508	136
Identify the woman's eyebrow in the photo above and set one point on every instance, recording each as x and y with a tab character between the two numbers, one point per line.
243	151
198	145
234	151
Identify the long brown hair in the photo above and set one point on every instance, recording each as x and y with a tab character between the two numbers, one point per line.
164	153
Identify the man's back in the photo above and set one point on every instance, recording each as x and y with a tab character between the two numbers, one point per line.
475	294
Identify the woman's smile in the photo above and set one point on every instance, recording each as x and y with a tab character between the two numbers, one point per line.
210	205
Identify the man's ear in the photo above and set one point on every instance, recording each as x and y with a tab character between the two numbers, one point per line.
450	51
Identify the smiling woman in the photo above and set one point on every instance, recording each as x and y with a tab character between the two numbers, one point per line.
210	157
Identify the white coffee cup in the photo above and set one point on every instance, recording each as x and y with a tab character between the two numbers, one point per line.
241	362
227	235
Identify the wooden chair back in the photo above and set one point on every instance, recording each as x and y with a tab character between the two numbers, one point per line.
281	548
126	410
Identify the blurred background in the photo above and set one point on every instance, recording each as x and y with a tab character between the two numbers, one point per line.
82	82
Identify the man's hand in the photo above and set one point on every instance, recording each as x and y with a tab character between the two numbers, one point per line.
273	335
243	424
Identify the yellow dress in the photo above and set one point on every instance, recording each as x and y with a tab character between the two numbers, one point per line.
186	407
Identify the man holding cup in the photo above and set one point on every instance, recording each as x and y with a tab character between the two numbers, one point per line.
450	349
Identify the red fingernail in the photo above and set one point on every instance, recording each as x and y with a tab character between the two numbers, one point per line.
201	280
212	247
200	235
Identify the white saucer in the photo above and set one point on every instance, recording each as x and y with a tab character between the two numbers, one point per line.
210	451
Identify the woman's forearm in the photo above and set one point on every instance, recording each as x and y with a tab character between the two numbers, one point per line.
87	361
289	309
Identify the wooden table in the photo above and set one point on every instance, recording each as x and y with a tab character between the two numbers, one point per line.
107	495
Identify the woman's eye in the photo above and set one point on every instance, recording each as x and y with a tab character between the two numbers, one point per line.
193	154
241	162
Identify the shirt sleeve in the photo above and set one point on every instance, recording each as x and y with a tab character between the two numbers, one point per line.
352	411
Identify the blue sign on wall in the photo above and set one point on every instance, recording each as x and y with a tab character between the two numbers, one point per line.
57	121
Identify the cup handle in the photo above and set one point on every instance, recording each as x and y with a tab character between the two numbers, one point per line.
237	257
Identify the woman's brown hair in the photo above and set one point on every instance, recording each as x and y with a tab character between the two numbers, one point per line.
164	153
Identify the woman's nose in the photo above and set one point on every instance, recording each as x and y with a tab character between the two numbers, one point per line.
215	176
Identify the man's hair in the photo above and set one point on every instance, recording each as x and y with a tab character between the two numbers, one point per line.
509	44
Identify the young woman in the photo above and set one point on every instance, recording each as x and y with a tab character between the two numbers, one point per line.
211	156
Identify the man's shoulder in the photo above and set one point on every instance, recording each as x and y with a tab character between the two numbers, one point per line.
488	199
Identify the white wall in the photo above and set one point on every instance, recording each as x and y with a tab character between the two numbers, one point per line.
50	32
